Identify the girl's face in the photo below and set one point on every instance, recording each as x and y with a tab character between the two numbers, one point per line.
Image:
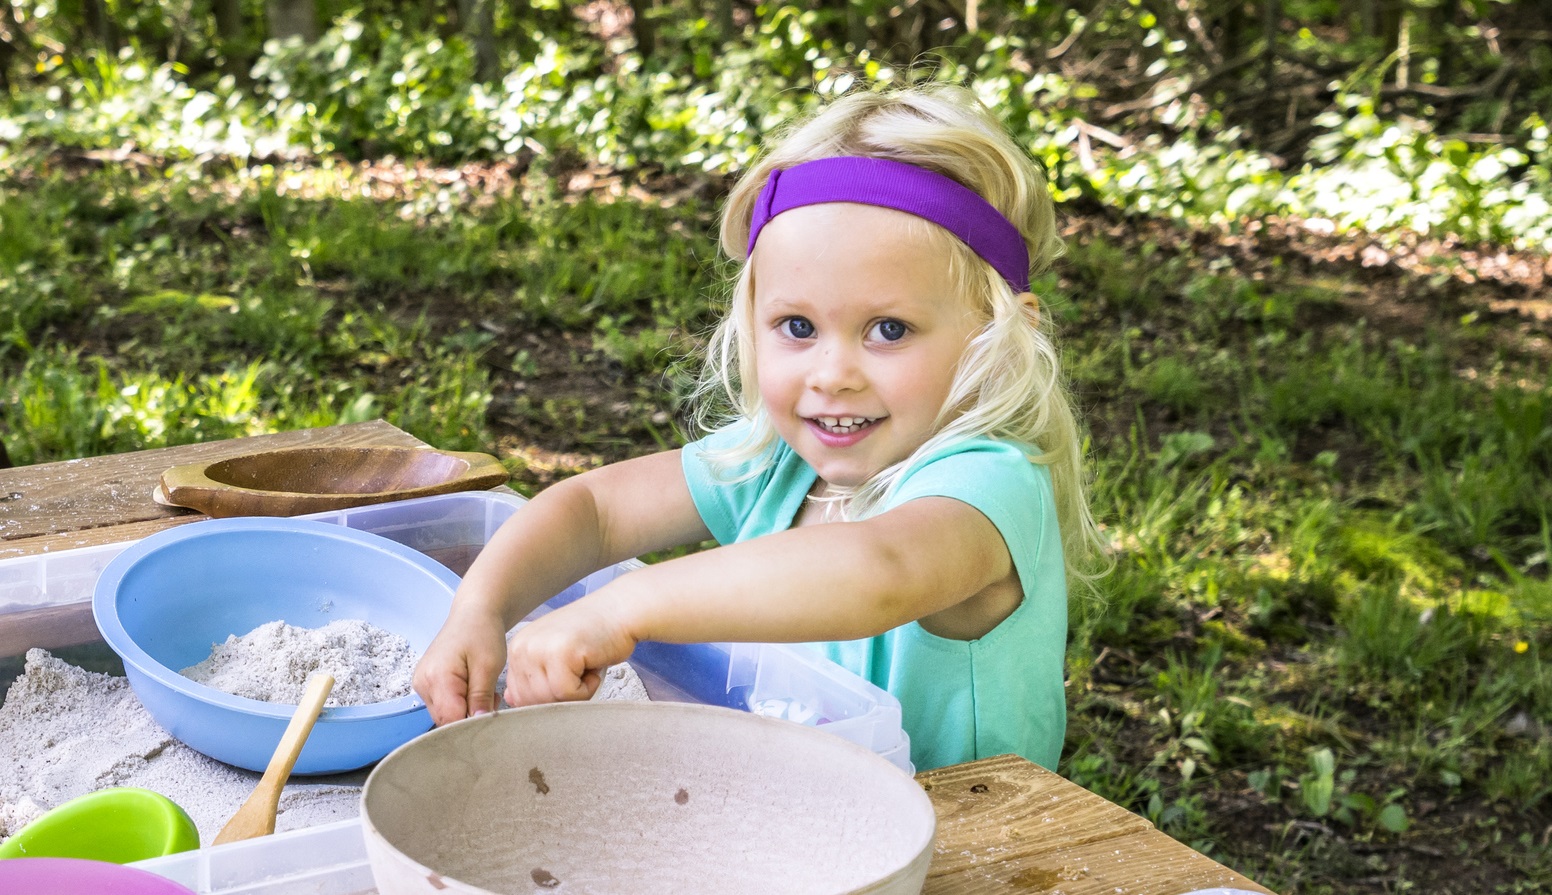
857	335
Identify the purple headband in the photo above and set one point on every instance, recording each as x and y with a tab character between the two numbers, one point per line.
891	184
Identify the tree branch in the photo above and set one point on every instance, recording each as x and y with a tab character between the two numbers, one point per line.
1117	110
1452	94
1057	51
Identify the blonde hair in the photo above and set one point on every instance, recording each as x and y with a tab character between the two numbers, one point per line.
1008	382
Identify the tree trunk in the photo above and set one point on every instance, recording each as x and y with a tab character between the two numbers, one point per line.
1391	17
11	42
1435	36
1271	21
1404	51
230	34
857	26
1381	19
99	25
1232	25
642	26
722	17
479	25
293	18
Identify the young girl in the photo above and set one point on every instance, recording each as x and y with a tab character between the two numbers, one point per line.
900	484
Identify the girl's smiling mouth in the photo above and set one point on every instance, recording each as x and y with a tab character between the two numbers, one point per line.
843	425
842	431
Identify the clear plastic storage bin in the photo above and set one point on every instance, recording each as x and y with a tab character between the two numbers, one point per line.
329	859
787	681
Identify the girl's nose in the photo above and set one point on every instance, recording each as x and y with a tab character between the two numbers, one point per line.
835	369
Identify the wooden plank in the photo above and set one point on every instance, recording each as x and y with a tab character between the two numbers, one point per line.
96	501
93	537
1006	825
57	506
1016	808
1144	863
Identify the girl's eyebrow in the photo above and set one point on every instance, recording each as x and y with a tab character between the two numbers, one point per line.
780	305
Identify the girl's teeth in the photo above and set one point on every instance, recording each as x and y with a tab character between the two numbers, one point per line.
843	425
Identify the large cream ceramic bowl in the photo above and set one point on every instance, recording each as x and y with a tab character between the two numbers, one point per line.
642	799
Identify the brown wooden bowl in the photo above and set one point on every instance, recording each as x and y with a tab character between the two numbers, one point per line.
316	479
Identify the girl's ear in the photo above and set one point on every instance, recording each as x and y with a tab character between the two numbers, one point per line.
1031	306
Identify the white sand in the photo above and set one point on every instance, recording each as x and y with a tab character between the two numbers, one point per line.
65	732
272	663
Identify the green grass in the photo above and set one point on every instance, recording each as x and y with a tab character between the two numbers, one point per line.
1322	640
1332	587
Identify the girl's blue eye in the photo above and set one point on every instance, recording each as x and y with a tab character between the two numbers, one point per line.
798	327
891	330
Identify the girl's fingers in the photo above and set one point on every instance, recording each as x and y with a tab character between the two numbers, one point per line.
484	672
552	659
456	677
563	685
481	700
444	695
544	683
591	681
528	687
567	686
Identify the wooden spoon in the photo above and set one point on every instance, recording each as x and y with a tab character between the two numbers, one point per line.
256	817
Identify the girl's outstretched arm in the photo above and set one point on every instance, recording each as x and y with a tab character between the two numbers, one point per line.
931	557
565	533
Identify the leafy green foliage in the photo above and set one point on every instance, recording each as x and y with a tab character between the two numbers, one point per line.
1330	602
369	88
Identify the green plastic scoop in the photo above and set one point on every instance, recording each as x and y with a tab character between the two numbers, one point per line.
118	825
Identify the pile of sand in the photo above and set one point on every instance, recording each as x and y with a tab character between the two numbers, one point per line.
272	663
65	732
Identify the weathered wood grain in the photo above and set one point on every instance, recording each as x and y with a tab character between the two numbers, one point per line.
105	500
95	501
1006	826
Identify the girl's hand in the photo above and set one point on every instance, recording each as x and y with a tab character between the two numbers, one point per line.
562	656
457	675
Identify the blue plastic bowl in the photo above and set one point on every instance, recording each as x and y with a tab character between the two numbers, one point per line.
165	601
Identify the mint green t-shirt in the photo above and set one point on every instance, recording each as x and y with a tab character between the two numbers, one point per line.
960	700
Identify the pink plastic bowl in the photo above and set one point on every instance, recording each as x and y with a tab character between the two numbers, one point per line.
77	876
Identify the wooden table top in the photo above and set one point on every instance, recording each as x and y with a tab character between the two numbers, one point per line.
107	500
1006	826
96	501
